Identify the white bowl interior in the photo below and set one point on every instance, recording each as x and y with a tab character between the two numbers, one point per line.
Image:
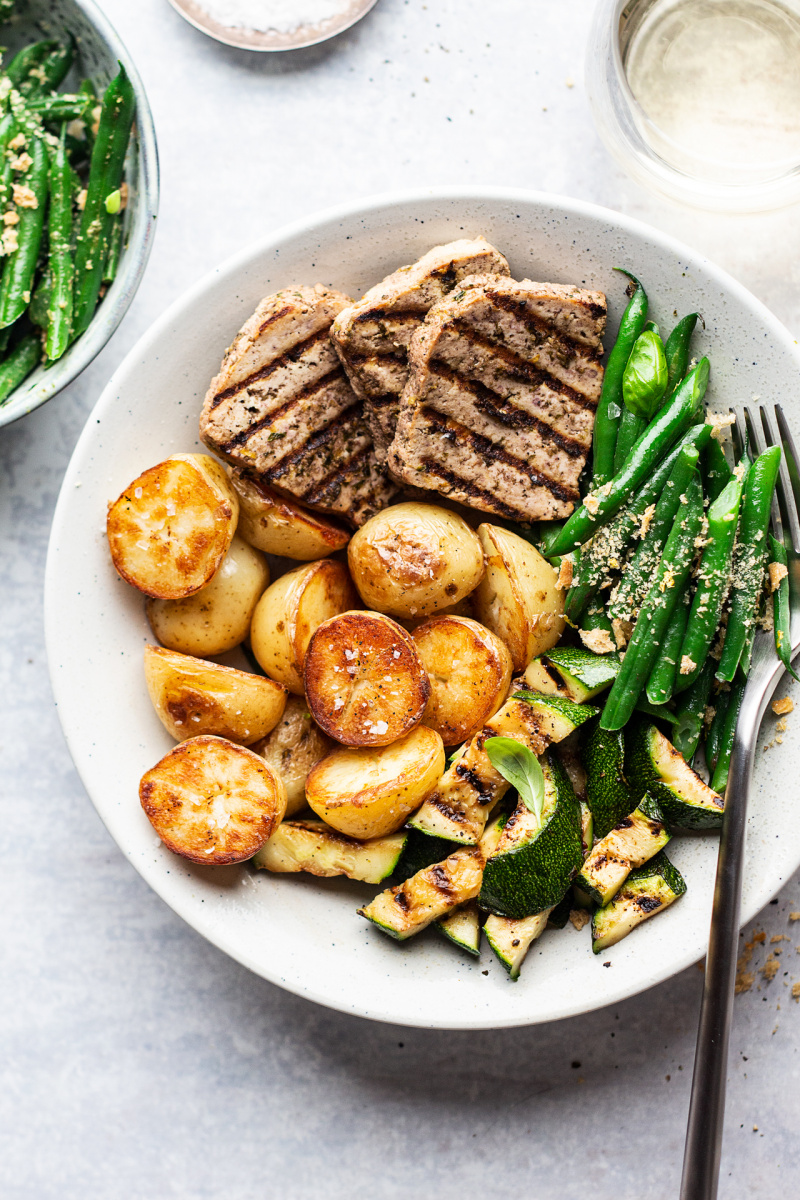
301	933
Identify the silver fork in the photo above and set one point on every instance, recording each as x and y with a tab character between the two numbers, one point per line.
707	1105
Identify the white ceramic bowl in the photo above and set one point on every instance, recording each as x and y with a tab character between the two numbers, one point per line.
301	933
99	50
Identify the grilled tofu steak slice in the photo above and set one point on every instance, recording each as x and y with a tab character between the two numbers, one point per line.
282	407
499	407
372	336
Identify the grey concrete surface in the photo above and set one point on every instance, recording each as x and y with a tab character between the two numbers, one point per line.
136	1060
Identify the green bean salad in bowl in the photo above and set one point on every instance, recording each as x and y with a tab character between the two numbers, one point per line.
78	185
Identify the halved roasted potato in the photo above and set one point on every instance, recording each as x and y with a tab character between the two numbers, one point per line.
217	618
517	598
367	792
364	679
192	696
414	559
213	801
294	746
469	669
171	528
276	525
289	612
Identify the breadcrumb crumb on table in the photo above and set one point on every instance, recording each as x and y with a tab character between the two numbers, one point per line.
783	706
796	991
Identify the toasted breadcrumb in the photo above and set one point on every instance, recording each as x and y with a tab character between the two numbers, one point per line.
719	422
779	937
647	519
22	163
781	725
18	143
687	666
777	572
591	503
11	218
744	978
564	581
597	640
10	240
24	197
622	632
579	917
82	199
782	706
794	916
771	967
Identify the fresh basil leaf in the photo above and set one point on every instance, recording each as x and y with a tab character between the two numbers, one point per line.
644	380
520	767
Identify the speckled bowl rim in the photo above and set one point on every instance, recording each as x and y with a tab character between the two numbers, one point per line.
60	574
45	384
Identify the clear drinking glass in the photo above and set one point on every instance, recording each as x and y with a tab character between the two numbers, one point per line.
700	99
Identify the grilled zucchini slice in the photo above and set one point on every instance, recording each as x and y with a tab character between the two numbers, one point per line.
511	940
656	767
410	907
314	847
463	928
630	844
571	672
646	892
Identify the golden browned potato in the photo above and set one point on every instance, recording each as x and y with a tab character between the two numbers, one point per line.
369	792
289	612
217	618
171	528
295	745
411	560
192	696
213	801
469	669
280	526
364	680
517	598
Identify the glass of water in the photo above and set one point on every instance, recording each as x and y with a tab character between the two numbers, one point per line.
700	99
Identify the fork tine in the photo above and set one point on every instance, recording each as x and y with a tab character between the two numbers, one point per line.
789	479
790	523
739	431
760	430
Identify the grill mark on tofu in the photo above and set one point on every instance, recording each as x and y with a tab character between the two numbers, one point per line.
306	393
319	338
542	329
519	368
333	483
486	501
502	410
451	430
390	316
318	441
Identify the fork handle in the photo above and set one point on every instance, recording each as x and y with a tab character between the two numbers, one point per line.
707	1105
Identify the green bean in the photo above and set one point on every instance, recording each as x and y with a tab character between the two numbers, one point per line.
19	364
748	559
781	611
635	582
114	251
644	383
665	592
608	546
61	107
714	735
719	780
609	410
8	131
59	310
713	580
661	683
49	71
691	712
20	265
105	176
596	618
663	431
716	472
676	351
27	60
40	301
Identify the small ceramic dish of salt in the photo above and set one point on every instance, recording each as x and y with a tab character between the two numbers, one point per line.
272	24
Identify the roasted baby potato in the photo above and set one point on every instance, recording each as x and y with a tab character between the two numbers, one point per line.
517	598
469	669
411	560
192	696
364	680
369	792
295	745
289	612
213	801
217	618
280	526
171	528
